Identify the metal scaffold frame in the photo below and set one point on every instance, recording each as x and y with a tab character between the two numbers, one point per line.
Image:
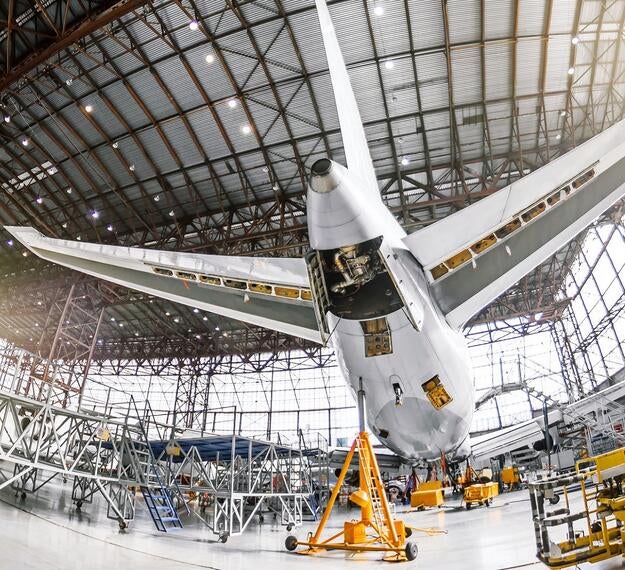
114	449
240	477
102	452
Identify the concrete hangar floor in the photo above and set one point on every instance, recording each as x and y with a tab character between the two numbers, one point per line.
46	531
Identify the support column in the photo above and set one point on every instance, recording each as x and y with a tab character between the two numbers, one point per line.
67	345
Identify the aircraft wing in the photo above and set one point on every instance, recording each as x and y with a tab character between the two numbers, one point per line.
269	292
509	439
476	254
387	460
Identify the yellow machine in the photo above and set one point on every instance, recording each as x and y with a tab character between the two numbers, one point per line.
480	494
511	477
376	530
593	525
428	494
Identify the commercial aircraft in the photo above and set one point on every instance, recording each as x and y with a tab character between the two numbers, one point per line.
391	305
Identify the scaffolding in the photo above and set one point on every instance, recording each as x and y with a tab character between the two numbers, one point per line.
237	478
102	453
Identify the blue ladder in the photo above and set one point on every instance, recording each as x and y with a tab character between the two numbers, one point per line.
161	508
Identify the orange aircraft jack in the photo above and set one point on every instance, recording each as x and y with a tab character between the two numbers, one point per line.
377	530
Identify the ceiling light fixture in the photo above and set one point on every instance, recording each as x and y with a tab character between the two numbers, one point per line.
10	243
109	228
115	144
232	103
571	70
404	161
210	58
172	213
131	168
389	64
39	200
25	142
379	10
574	40
246	129
194	25
89	108
95	215
7	118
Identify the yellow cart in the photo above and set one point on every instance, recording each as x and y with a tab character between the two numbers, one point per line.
480	494
428	494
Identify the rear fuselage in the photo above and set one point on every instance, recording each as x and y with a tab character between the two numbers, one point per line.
385	329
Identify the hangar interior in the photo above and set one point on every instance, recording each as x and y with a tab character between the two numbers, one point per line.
192	126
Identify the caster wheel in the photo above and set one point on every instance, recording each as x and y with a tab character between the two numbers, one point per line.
408	532
223	538
290	543
78	505
487	503
468	506
123	525
261	519
23	495
411	550
289	527
275	516
555	499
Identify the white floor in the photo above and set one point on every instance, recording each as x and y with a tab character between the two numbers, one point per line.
46	531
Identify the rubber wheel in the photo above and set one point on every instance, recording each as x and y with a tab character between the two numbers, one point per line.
122	525
555	499
78	505
394	493
290	543
261	519
408	531
23	495
487	503
289	527
411	550
468	505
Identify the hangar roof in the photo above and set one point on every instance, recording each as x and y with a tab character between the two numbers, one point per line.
192	125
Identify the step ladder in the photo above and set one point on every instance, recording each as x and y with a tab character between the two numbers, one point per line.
152	482
374	488
161	508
